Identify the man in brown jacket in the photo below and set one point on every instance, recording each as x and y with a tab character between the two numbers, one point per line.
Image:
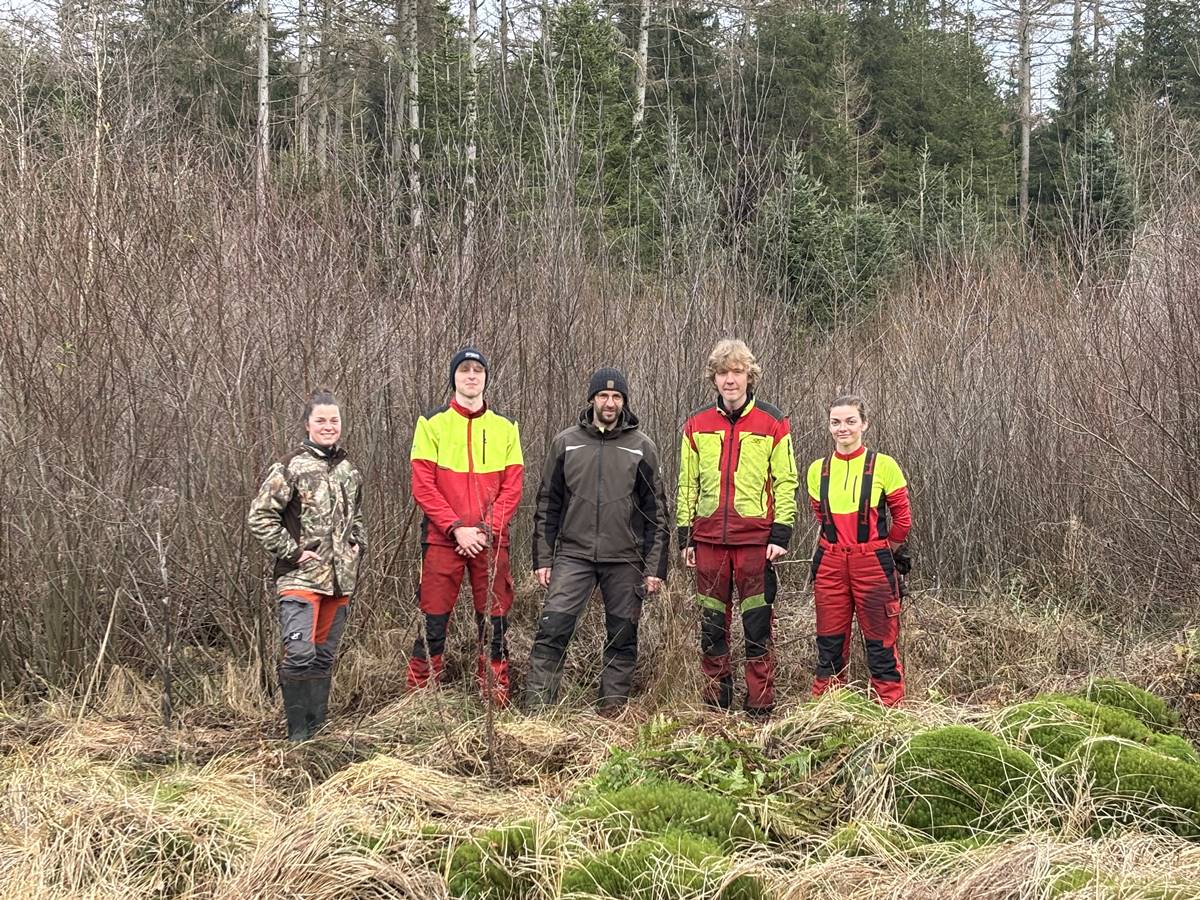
601	519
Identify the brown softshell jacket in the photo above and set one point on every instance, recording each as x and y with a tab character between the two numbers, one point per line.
601	498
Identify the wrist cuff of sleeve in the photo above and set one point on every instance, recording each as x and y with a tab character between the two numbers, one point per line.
685	537
781	535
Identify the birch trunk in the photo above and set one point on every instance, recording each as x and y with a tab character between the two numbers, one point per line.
469	200
643	59
303	86
323	90
263	134
413	100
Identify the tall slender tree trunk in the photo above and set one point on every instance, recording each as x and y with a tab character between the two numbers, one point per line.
503	36
337	100
303	86
413	100
1077	27
1096	20
263	132
399	107
643	61
323	67
469	200
1025	97
99	63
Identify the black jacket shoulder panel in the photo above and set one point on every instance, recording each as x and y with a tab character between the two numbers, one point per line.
771	409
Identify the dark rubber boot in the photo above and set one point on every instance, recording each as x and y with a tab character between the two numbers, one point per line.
295	707
318	704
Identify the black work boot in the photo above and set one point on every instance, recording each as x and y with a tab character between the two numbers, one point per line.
295	707
760	714
724	695
318	704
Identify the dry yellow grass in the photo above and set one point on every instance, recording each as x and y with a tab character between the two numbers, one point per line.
109	804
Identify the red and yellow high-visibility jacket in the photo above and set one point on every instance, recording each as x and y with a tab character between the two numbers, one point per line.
889	490
737	477
466	470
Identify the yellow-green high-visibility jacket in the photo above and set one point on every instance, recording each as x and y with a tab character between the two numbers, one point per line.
737	476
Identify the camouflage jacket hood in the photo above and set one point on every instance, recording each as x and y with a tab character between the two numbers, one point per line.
312	501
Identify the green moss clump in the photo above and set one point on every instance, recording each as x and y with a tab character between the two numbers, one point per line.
1146	785
1045	728
1175	746
655	806
486	865
954	781
672	865
1053	725
1147	708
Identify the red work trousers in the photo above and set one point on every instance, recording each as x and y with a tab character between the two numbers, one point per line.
719	568
492	592
858	581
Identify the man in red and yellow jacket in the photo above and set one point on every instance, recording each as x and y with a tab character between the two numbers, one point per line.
466	477
735	511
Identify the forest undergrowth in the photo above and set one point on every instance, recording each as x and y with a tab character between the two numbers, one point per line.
1020	767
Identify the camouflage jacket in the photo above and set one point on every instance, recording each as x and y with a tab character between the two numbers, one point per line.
312	501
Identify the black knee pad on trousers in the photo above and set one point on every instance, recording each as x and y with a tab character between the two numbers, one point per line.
829	654
499	632
435	635
881	661
555	630
622	638
714	641
756	624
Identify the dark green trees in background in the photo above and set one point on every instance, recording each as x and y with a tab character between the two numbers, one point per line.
822	144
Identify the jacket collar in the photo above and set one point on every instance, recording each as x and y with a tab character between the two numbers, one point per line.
737	413
331	455
862	448
467	413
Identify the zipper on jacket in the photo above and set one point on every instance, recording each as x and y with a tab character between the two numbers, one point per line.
599	497
485	446
728	480
337	590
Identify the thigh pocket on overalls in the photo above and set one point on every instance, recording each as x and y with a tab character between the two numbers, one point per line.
889	571
818	555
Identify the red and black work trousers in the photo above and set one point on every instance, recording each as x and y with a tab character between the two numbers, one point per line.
858	581
719	568
442	571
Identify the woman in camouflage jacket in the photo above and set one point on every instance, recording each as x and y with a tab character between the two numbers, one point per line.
308	516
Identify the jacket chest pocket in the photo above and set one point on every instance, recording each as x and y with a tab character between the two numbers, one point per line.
579	469
709	447
620	472
750	478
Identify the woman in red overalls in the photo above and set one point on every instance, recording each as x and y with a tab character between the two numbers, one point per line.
860	497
